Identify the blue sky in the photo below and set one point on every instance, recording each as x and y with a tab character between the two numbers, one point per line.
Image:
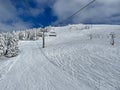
23	14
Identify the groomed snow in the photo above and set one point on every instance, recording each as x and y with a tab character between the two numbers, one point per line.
70	61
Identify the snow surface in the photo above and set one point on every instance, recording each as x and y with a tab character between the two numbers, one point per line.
70	61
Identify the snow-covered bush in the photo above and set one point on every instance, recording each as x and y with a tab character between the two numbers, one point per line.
12	46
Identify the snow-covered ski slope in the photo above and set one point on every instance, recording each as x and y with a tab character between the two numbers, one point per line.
70	61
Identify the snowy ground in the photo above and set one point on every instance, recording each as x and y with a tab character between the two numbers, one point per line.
70	61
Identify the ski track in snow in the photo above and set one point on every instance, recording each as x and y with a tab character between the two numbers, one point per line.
70	61
37	73
97	66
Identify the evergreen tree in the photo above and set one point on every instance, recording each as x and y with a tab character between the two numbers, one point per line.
2	45
22	35
12	46
33	35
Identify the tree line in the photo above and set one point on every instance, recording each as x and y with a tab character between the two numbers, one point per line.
9	40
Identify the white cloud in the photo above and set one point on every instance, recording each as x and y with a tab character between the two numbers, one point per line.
106	11
7	11
14	26
99	12
9	19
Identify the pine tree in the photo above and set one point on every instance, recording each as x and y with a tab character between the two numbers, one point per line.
27	33
33	35
39	32
2	45
12	46
22	35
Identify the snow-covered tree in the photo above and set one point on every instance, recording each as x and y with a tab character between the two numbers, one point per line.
22	35
39	32
2	45
27	33
12	46
16	35
33	35
48	28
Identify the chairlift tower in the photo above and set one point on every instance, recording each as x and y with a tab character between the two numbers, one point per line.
43	38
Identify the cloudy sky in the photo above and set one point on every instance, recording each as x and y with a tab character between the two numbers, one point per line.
22	14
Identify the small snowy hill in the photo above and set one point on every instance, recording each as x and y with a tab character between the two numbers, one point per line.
71	61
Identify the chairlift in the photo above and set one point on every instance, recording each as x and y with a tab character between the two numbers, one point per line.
52	33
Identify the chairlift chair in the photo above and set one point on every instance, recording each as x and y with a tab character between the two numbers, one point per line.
52	33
